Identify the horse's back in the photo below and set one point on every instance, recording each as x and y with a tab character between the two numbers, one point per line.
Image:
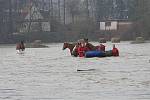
91	46
20	46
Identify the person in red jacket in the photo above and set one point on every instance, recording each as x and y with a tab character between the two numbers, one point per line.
115	51
101	47
82	49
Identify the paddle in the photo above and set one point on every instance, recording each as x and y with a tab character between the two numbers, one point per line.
85	70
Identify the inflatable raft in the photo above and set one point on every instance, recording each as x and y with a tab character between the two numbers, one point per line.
90	54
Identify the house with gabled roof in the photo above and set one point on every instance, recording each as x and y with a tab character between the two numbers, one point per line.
34	20
115	28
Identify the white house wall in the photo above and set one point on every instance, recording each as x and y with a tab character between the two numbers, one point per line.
102	25
113	26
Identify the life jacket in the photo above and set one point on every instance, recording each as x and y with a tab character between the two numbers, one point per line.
115	52
81	51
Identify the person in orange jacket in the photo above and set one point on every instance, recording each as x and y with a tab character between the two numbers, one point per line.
115	51
82	49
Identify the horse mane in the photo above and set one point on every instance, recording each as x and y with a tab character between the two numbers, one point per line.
70	43
70	46
20	46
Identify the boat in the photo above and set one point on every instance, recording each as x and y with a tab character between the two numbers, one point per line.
97	53
90	54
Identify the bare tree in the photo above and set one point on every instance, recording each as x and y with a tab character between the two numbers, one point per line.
87	9
73	8
92	4
30	16
59	11
64	12
10	17
52	9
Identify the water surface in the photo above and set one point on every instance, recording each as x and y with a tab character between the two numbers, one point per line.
51	74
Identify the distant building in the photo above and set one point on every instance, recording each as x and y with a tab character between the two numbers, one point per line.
34	20
115	28
113	25
114	9
108	25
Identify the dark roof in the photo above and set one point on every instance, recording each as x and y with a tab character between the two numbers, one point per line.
123	20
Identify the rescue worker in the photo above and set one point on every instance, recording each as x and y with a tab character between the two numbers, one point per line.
115	51
82	49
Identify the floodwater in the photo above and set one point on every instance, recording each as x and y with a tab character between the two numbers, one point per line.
51	74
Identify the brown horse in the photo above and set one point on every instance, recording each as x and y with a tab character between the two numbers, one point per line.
91	46
20	46
70	47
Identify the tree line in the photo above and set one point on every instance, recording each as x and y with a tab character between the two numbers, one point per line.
76	16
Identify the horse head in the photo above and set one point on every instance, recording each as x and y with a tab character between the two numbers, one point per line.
65	45
68	45
20	46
